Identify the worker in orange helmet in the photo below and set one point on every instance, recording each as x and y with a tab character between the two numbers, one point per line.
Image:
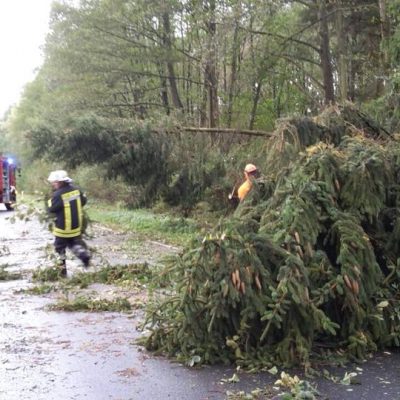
250	173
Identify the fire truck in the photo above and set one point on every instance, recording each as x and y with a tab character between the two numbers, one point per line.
8	192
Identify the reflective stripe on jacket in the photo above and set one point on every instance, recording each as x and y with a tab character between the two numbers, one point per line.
66	204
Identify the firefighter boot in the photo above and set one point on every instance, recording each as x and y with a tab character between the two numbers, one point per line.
82	253
62	265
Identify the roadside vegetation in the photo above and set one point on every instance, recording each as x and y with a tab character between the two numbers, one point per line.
135	278
121	275
6	275
144	223
82	303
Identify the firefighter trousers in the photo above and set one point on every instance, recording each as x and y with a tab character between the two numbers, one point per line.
76	245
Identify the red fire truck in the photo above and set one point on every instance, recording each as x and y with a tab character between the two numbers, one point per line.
8	193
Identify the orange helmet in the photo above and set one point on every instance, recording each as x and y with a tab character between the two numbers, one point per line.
249	168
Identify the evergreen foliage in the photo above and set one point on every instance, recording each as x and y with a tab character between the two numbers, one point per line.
308	261
190	184
134	154
142	162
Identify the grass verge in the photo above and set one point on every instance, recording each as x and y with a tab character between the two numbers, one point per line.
146	224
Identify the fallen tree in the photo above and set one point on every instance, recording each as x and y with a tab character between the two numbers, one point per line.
308	263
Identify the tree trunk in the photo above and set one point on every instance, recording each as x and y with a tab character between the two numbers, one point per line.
203	104
170	66
164	90
135	93
325	54
256	98
384	57
232	81
210	71
342	53
385	27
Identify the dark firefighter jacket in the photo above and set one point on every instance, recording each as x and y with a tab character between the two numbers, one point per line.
66	204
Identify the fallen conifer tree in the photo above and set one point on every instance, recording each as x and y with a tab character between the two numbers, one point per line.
308	263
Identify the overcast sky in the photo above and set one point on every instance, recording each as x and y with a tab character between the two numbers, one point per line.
23	28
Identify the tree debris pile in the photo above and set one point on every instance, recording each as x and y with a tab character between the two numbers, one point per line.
312	266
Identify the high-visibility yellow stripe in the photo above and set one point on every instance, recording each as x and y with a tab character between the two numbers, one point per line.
67	198
67	216
62	233
80	213
72	195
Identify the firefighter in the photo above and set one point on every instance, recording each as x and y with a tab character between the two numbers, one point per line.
66	204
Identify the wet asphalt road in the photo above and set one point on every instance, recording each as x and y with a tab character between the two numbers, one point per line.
48	355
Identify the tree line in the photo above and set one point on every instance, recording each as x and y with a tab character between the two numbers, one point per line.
237	65
215	63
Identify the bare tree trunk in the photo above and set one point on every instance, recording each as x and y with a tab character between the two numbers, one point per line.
385	26
210	71
224	67
342	53
203	104
188	89
384	59
351	65
232	81
325	53
256	98
234	62
170	66
138	109
164	90
277	100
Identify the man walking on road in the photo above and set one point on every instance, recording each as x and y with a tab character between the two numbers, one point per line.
66	204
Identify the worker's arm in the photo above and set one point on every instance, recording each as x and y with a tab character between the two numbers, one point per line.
83	198
55	204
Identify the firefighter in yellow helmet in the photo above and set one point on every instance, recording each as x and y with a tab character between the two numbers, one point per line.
66	204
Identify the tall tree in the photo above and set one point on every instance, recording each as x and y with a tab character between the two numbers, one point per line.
325	52
240	63
210	62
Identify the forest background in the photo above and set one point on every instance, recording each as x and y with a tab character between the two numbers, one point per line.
153	95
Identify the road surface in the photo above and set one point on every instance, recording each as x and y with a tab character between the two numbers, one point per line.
47	355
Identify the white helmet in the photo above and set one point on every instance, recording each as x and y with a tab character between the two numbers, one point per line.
59	176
